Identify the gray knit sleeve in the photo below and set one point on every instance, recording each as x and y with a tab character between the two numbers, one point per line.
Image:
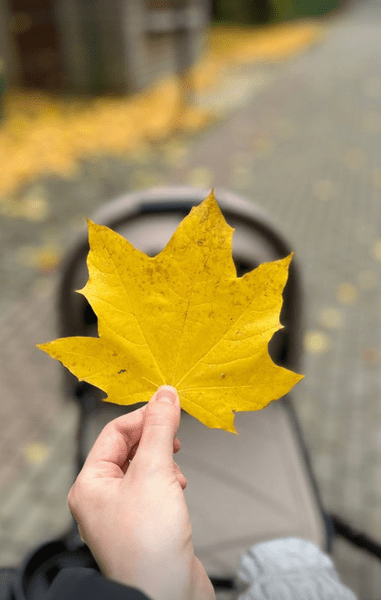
290	569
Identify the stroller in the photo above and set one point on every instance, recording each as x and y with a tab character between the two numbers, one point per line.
243	489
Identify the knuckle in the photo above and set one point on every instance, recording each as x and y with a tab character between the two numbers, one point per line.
158	419
109	427
75	494
71	500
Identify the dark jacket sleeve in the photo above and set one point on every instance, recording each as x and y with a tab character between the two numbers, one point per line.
81	583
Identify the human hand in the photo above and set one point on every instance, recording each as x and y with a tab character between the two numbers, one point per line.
132	514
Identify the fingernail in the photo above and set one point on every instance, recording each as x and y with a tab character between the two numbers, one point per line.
166	396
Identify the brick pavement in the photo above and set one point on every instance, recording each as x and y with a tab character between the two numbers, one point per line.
307	149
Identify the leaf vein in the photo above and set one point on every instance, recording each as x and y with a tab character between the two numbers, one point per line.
136	319
215	344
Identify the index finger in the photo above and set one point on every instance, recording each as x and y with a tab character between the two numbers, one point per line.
117	442
114	443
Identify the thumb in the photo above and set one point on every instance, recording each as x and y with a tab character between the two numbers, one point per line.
161	422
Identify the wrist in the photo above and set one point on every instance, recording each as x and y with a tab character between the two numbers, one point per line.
203	588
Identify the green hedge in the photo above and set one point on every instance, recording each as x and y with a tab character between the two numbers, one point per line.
283	10
249	12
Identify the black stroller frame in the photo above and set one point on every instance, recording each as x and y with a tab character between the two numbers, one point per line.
77	318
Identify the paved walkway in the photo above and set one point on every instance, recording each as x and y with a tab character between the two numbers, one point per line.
304	145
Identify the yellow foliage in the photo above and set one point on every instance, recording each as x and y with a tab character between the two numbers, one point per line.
44	133
237	45
274	42
181	318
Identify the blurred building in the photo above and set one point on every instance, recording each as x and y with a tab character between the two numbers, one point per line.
91	46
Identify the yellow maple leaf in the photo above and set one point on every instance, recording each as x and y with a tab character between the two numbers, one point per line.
181	318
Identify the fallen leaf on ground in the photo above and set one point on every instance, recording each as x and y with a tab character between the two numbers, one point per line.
50	133
42	258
